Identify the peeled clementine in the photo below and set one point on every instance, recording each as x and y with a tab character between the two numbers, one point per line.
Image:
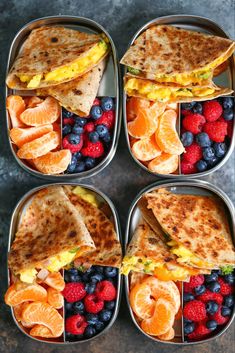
18	294
164	164
53	162
146	149
169	335
55	298
41	331
15	106
55	280
20	136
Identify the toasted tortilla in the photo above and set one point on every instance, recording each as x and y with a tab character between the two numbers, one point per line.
108	250
199	223
78	95
50	225
49	48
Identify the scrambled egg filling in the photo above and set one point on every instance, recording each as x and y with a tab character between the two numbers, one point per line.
86	195
68	72
149	90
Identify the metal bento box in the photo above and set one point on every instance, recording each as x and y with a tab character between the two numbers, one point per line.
227	79
110	212
109	86
193	187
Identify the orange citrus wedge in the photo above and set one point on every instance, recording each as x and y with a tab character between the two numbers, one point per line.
134	105
143	125
18	294
55	298
33	101
146	149
169	335
41	331
20	136
15	106
164	164
141	301
53	162
55	280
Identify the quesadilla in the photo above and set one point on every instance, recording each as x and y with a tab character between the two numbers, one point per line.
196	227
53	55
50	236
79	94
108	250
169	54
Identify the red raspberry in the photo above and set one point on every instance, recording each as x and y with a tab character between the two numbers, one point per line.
89	127
200	331
185	112
216	130
195	310
96	102
225	288
194	282
93	304
208	295
194	123
212	110
105	290
72	148
187	168
94	150
193	153
75	324
69	121
107	118
230	128
74	291
219	318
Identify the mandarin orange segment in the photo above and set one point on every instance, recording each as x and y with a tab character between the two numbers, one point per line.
20	136
169	335
146	149
46	112
165	275
134	104
143	125
164	164
166	135
16	295
41	331
33	101
39	146
18	310
15	106
55	298
55	280
162	319
44	314
141	301
53	162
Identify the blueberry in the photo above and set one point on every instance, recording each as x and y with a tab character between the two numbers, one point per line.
78	307
110	305
98	269
97	277
189	328
74	139
66	276
220	149
96	112
102	130
228	301
214	287
89	332
211	278
99	326
107	103
106	138
213	161
93	136
72	271
77	155
110	272
90	270
187	106
80	167
200	289
86	277
225	311
208	153
187	321
66	113
68	306
92	319
211	325
90	287
187	138
229	278
77	129
203	139
212	307
105	315
80	121
75	278
228	114
227	102
188	297
201	165
71	167
90	162
67	128
197	108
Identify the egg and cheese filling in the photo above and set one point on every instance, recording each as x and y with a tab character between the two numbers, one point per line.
71	71
151	91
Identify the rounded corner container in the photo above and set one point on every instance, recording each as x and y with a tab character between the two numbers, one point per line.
15	218
226	79
110	85
185	186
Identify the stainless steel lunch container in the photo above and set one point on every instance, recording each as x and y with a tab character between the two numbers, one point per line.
196	187
110	87
227	79
16	215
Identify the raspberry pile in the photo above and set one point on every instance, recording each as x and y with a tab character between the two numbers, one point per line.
89	138
90	300
208	303
207	129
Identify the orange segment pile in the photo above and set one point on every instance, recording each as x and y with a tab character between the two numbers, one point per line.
24	293
53	162
21	136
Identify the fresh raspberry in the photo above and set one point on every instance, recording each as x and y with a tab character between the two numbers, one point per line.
89	127
219	318
72	148
107	119
96	102
194	123
230	128
187	168
212	110
93	304
185	112
75	324
69	121
194	282
208	295
74	291
105	290
195	310
216	130
193	153
225	288
200	331
93	149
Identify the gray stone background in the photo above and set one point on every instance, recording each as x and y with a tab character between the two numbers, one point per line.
121	180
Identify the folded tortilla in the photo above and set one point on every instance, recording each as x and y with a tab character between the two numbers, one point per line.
78	95
53	55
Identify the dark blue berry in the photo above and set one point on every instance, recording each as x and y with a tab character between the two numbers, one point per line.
214	287
228	114
89	332
99	326
229	278
107	103
90	287
80	121
74	139
211	325
201	165
208	153
68	306
188	297
110	272
93	136
189	328
200	289
105	315
73	271
187	321
66	276
213	161
107	138
72	165
77	155
96	112
220	149
90	162
67	128
77	129
96	277
211	278
75	278
212	307
98	269
102	130
203	139
86	277
187	106
78	307
80	167
110	305
225	311
187	138
197	108
92	319
228	301
227	102
66	113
